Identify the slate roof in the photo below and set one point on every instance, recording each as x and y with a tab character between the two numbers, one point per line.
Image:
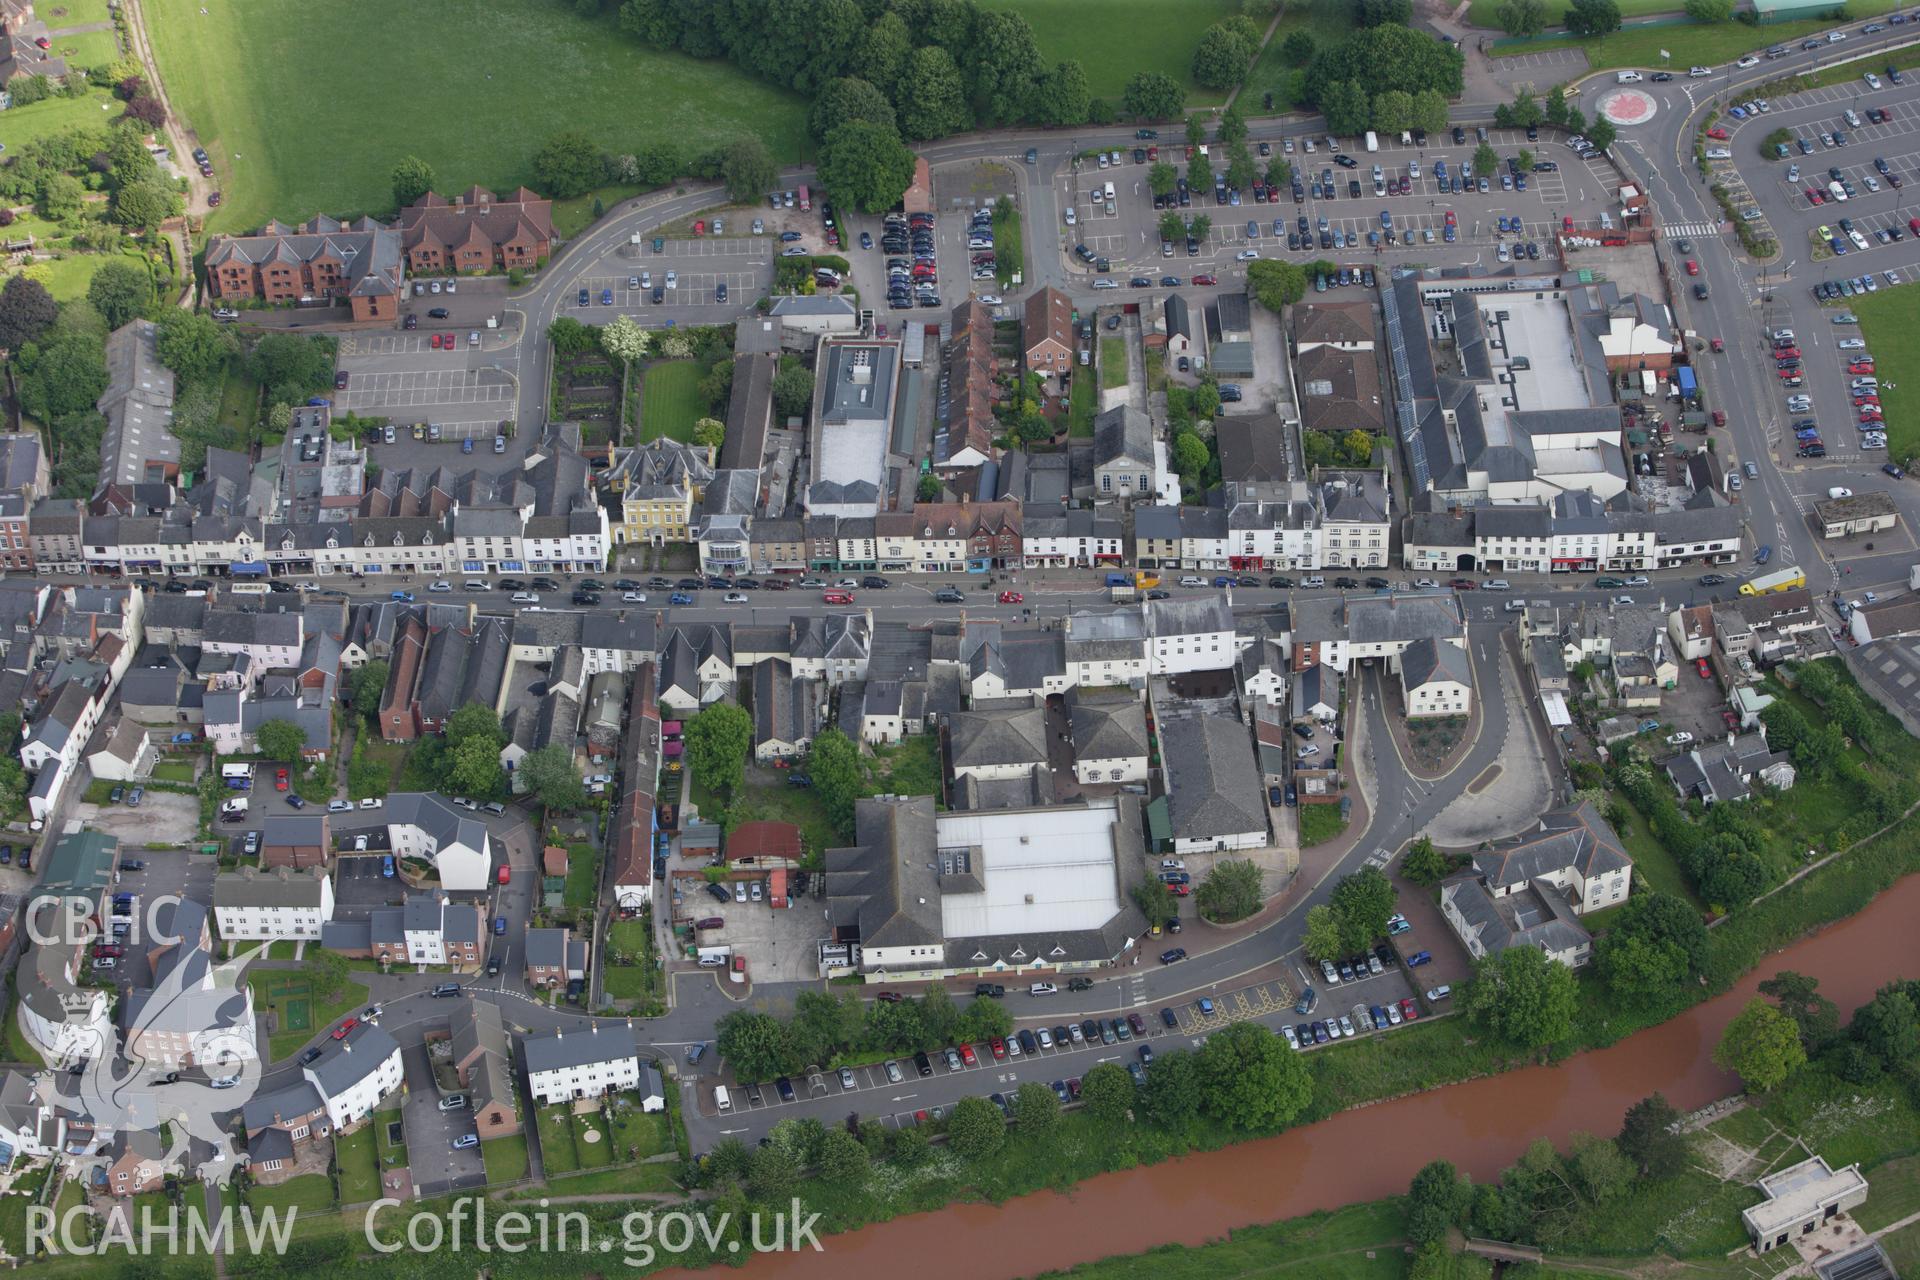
996	738
1577	838
1428	661
1123	434
882	890
605	1041
1108	729
345	1063
1213	783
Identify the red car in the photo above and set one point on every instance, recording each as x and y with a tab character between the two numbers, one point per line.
968	1056
1719	418
699	226
1913	225
1206	279
1717	133
1012	597
1180	890
434	341
1786	353
1860	366
1450	221
1408	1009
446	341
1693	268
1815	198
999	1048
340	1032
1706	672
280	780
920	1117
888	997
1566	222
1153	153
1718	346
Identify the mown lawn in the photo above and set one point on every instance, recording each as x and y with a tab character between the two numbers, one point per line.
1690	43
670	400
629	981
1113	363
290	988
288	145
557	1153
309	1191
21	125
1319	823
1886	322
506	1159
1486	13
66	278
583	868
1119	38
359	1166
1651	859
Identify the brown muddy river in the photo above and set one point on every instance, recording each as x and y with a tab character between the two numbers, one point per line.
1358	1155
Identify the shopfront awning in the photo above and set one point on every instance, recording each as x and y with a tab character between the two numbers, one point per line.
247	566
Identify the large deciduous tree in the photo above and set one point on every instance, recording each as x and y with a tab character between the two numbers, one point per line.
27	311
748	169
718	742
1153	95
1250	1080
567	165
864	165
1761	1046
1522	997
412	178
120	291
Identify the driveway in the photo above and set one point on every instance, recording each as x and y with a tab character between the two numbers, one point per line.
437	1167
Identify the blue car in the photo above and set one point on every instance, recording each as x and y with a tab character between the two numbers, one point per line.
386	866
1763	555
606	297
583	298
466	446
404	597
680	597
499	926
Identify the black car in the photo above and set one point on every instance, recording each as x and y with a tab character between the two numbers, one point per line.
1169	1019
873	582
922	1063
1346	584
718	892
1281	582
1459	136
947	595
1378	583
310	1057
989	990
586	599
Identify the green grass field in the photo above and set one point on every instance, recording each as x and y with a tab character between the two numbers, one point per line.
288	995
359	1166
66	278
557	1154
1319	823
1689	43
1327	21
1119	38
505	1158
1485	13
583	875
1113	363
309	1191
473	87
670	401
1886	322
22	125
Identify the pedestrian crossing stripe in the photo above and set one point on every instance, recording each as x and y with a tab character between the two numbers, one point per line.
1693	228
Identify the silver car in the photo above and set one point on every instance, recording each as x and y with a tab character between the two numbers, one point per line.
894	1075
846	1079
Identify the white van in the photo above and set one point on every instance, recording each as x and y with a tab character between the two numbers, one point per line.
721	1100
1373	140
1628	77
